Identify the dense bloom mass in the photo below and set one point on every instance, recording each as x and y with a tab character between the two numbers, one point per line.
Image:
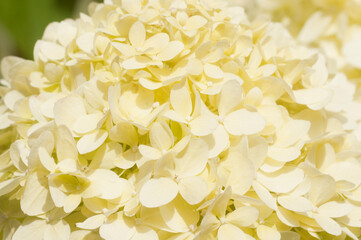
180	120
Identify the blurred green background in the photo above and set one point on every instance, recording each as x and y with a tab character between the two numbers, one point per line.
22	22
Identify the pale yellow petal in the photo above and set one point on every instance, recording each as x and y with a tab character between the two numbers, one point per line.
264	195
161	136
31	229
171	50
323	188
137	34
230	97
104	184
295	203
92	222
178	215
267	233
158	192
244	122
68	110
314	27
59	230
87	123
291	132
192	160
203	125
283	154
193	189
243	216
132	6
230	232
51	50
150	152
120	227
328	224
213	71
195	22
335	209
124	133
36	197
85	42
144	232
156	42
217	141
180	99
90	142
283	180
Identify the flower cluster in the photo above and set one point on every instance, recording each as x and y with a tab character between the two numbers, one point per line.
178	120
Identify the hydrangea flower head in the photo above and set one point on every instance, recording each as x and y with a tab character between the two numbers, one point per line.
182	119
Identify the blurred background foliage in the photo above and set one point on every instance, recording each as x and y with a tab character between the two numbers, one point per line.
22	22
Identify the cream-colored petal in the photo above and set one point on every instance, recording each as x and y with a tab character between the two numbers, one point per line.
335	209
45	159
194	67
323	188
104	184
51	50
244	122
287	217
137	62
268	233
65	144
193	189
155	43
328	224
195	22
11	98
217	141
213	71
351	51
161	136
144	232
124	133
283	180
71	202
192	160
67	110
171	50
120	227
243	216
314	98
150	152
230	232
158	192
283	154
31	229
137	34
84	234
85	42
92	222
291	132
314	27
203	125
90	142
87	123
178	215
36	197
264	195
230	97
242	171
295	203
59	230
180	99
345	170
